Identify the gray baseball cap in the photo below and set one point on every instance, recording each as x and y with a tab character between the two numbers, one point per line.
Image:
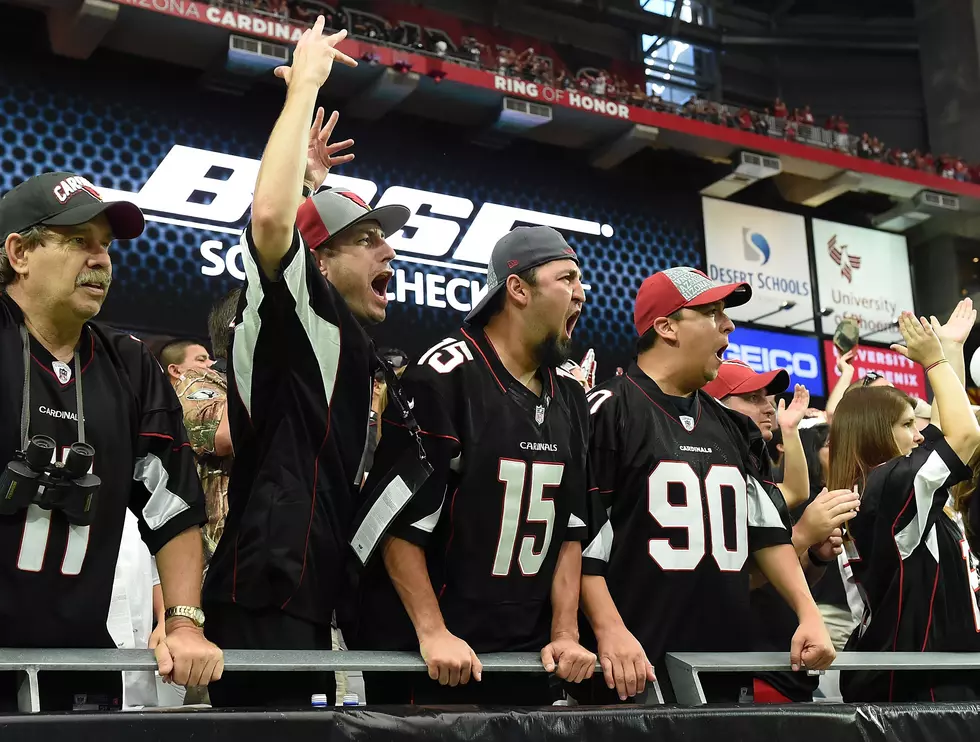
518	251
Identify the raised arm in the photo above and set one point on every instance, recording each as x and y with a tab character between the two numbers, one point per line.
953	335
796	476
960	427
846	377
278	188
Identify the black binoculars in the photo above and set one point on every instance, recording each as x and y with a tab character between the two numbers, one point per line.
35	477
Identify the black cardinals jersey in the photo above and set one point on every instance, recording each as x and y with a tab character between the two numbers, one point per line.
56	577
686	506
911	565
507	490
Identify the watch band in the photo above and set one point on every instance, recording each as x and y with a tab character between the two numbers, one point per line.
186	611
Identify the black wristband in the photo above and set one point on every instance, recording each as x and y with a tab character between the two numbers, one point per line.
307	191
815	560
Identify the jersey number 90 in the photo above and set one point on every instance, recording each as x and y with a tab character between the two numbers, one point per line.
724	489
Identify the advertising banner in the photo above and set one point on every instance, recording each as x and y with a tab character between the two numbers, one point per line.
765	249
766	351
190	160
863	274
906	375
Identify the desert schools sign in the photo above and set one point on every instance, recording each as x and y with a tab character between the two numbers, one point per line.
570	98
443	251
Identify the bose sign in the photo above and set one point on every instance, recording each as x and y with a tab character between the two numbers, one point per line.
768	351
212	191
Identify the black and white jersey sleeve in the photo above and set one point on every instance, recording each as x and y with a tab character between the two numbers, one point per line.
390	507
285	321
907	496
166	496
769	522
605	425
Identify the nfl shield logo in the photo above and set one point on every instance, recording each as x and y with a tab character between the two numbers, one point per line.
62	371
687	422
539	414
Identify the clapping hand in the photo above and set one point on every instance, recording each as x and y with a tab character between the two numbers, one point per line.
922	345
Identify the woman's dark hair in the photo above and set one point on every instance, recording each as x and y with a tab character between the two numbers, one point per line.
813	440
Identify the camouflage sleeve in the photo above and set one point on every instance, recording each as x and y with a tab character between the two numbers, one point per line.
203	396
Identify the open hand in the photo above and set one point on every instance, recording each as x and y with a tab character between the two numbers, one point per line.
790	417
314	56
921	342
320	155
959	325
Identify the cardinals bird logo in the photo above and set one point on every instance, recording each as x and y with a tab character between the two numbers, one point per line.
841	255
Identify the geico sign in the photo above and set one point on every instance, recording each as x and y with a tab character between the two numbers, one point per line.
802	365
213	191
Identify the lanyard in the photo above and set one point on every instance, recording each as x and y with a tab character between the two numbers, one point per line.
25	408
396	395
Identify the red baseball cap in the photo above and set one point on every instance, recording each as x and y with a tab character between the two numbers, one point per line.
665	292
330	211
737	377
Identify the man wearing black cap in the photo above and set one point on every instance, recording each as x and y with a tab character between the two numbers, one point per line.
685	489
122	443
486	555
299	393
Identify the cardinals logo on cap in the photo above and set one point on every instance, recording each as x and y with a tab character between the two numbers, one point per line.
73	186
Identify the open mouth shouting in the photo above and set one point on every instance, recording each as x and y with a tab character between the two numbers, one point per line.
720	353
379	285
570	323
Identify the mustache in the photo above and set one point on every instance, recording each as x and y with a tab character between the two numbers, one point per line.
101	277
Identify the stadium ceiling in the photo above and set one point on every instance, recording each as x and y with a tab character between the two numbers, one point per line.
860	25
779	10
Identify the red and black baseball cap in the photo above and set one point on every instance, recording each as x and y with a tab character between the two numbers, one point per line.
665	292
329	212
61	200
737	377
519	250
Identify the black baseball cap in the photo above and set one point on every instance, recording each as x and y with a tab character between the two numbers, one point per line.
520	250
64	199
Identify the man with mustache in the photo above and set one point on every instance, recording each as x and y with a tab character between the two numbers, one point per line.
487	554
84	386
299	392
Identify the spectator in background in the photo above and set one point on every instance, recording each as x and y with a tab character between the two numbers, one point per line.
842	126
203	395
807	116
398	360
779	109
831	123
762	122
864	146
638	97
877	148
745	120
797	117
907	548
